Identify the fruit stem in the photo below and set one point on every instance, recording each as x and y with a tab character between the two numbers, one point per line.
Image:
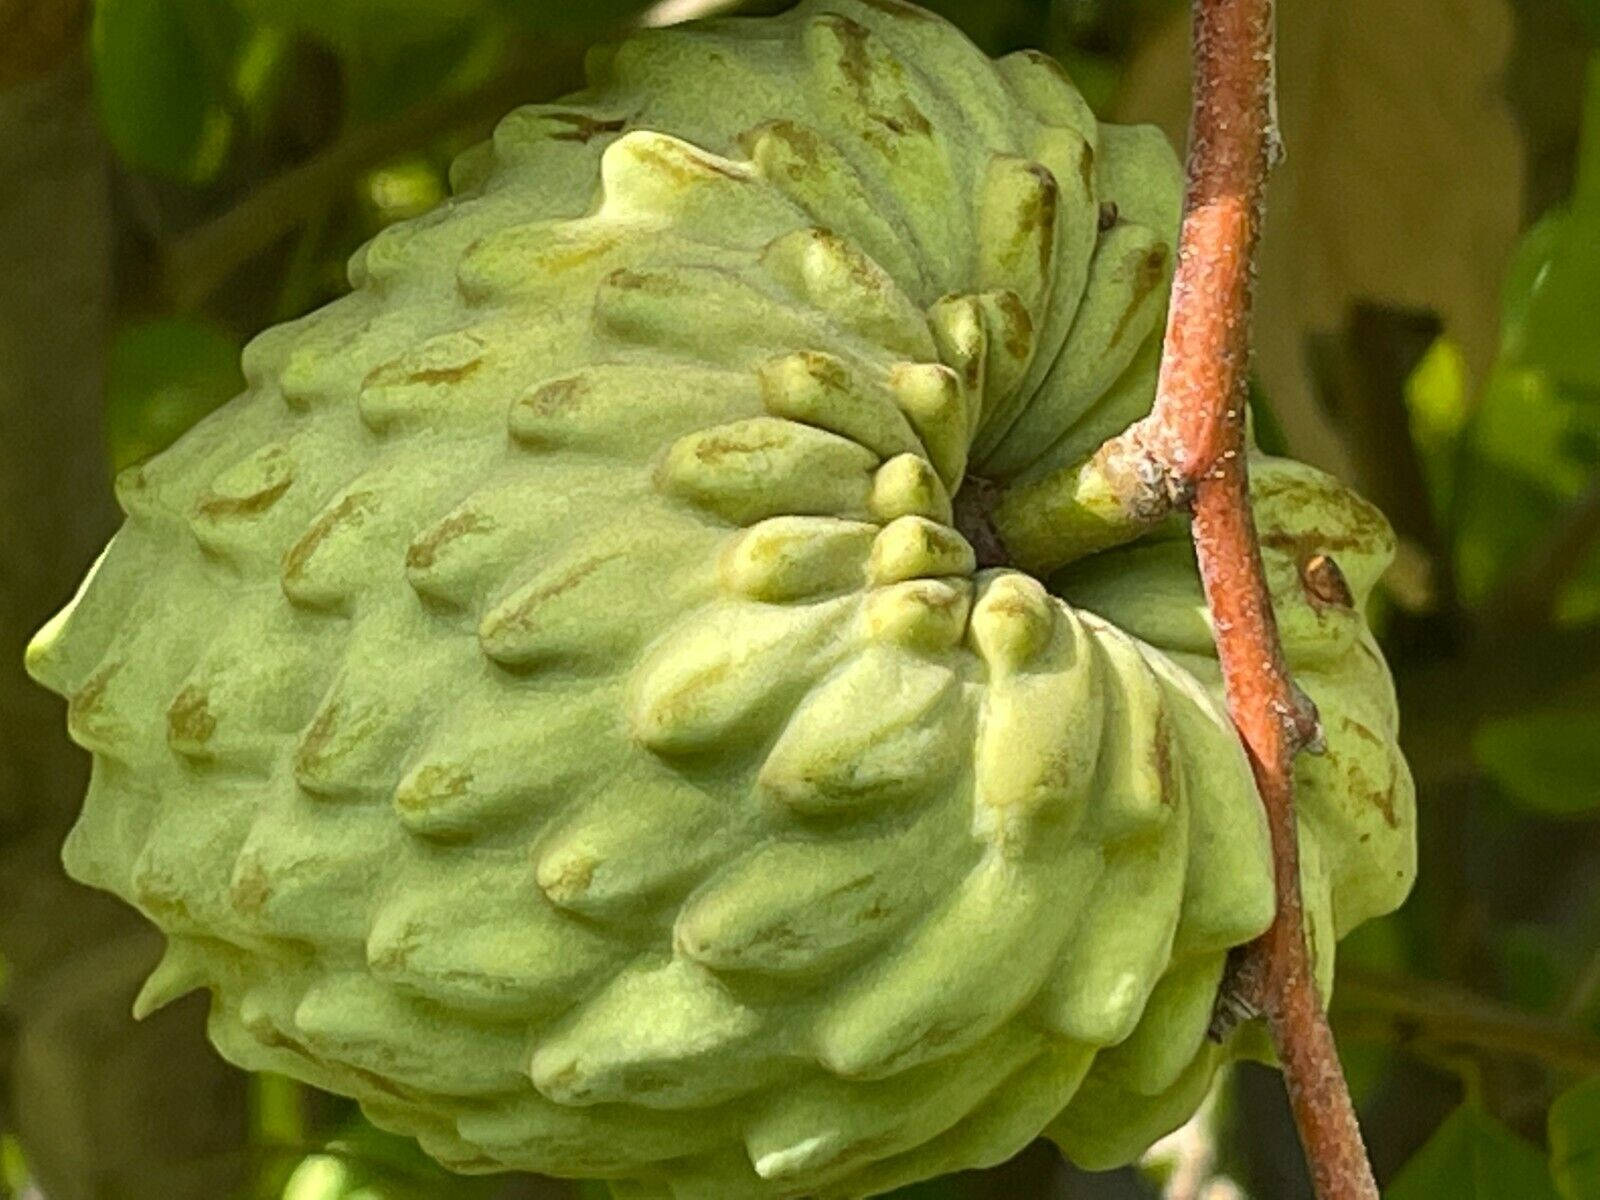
1190	453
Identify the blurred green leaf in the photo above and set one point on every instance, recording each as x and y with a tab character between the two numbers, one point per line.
164	74
1536	966
1575	1141
943	1188
1589	10
362	27
1473	1157
1548	762
162	376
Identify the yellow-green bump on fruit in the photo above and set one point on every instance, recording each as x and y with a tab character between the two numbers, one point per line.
572	701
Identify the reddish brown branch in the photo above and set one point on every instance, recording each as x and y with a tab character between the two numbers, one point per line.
1192	446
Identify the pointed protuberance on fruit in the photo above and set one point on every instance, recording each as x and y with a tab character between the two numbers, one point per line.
701	1046
584	1140
330	562
231	712
182	970
1122	301
539	258
735	670
1172	1030
735	323
958	328
993	1133
310	875
657	178
608	860
364	727
874	102
234	514
798	1140
835	276
1070	162
929	394
409	389
914	548
796	558
907	485
929	615
972	965
1139	787
815	176
349	1016
1017	214
502	761
579	610
1038	743
822	390
1228	894
804	908
885	729
747	471
1123	942
1013	621
1042	84
524	133
491	950
597	410
1138	170
1010	340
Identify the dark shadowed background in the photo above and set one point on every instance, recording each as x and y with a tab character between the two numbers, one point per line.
177	174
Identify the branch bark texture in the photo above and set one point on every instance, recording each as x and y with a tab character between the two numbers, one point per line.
1191	451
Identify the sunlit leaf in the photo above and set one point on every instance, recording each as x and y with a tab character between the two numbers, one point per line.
1473	1157
1565	301
162	376
1575	1141
1547	761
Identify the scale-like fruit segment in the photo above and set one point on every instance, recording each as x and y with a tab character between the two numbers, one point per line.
555	705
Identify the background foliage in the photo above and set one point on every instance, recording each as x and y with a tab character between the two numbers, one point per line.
176	174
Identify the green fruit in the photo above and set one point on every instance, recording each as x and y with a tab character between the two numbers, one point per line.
554	706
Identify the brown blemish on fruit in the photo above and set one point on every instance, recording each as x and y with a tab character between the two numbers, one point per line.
1324	583
1036	222
1361	731
251	889
583	128
1362	787
252	504
317	741
189	718
85	702
351	510
424	552
1166	769
711	449
1151	274
1017	331
394	372
855	64
565	584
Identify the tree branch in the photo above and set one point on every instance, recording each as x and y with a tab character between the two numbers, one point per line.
1405	1010
1191	449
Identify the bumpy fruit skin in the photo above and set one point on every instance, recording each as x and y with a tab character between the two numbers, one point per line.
553	704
